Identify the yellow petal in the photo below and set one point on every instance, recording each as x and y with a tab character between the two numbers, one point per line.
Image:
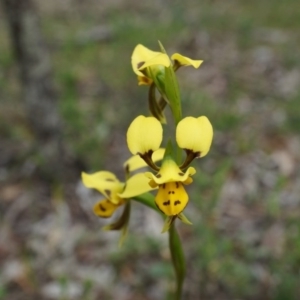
114	196
105	182
185	61
144	134
171	198
170	172
158	154
104	208
136	162
136	185
141	54
195	134
160	59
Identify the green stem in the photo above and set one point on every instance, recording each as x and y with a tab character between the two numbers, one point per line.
177	259
175	245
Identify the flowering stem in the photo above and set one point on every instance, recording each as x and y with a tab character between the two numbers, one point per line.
177	259
174	244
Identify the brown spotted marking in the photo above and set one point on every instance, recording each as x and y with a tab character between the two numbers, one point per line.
102	208
107	192
166	202
140	64
110	179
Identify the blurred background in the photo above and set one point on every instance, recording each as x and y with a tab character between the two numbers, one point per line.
67	96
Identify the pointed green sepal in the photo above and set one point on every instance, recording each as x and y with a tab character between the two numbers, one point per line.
169	152
123	236
171	90
184	219
168	223
162	49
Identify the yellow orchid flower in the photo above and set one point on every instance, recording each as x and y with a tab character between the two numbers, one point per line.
116	192
109	186
194	135
148	64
